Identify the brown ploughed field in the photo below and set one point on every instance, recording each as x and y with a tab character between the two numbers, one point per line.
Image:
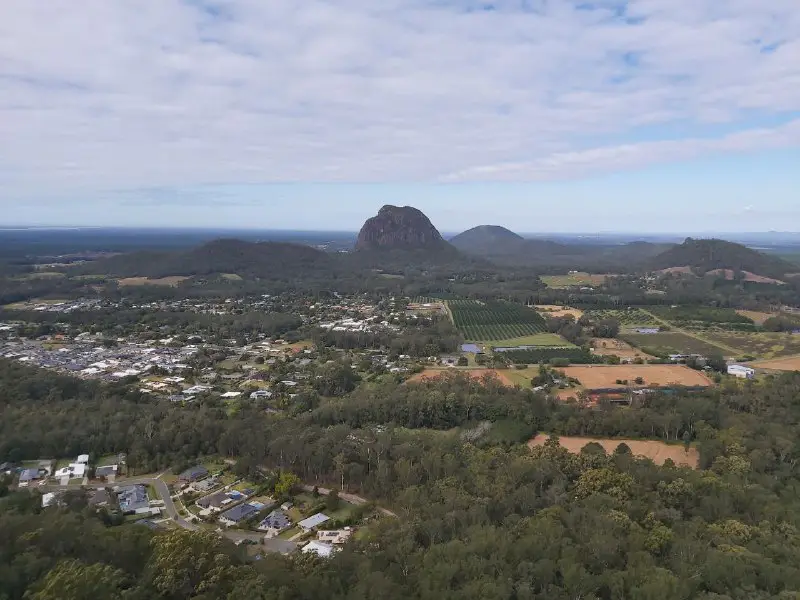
658	452
606	376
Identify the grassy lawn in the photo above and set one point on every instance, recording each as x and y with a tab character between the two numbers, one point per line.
105	461
573	279
244	485
215	465
521	377
151	493
290	533
550	340
63	462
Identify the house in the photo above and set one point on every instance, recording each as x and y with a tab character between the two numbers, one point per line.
312	523
107	472
319	548
261	395
741	371
276	521
470	348
206	485
216	501
133	499
99	497
231	395
238	514
337	538
27	476
193	474
6	468
71	471
48	499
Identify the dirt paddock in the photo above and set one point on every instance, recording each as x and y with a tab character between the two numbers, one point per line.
474	373
791	363
171	281
606	376
658	452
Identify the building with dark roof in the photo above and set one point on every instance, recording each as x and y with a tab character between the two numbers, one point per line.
238	514
277	520
193	474
133	499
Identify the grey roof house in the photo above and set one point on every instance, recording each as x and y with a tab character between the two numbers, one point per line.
133	499
277	519
193	474
238	514
29	475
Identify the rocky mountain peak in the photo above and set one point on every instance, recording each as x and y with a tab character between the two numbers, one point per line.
399	227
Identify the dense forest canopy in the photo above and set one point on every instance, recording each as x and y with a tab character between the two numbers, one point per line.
479	515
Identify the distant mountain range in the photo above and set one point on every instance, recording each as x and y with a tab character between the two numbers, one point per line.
400	237
505	247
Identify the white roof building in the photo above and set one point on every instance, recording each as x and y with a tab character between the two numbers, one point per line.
313	522
319	548
741	371
83	459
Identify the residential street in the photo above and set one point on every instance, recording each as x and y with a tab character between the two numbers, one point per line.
273	545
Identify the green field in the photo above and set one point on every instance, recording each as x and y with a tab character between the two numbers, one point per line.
628	318
760	345
494	321
572	280
538	339
661	344
685	316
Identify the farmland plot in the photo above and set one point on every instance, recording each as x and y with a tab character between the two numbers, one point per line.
490	321
628	318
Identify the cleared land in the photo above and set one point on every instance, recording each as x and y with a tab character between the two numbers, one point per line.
474	373
606	376
791	363
492	321
554	311
762	345
729	274
615	347
572	280
658	452
671	342
171	281
755	316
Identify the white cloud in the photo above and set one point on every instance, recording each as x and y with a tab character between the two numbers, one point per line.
103	95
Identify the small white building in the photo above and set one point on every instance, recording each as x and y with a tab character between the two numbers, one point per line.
741	371
321	549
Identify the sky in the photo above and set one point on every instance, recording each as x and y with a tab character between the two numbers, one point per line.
539	115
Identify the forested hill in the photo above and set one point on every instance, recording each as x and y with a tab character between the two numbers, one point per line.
505	247
248	259
479	516
711	254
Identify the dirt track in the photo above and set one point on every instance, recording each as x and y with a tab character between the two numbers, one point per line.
658	452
